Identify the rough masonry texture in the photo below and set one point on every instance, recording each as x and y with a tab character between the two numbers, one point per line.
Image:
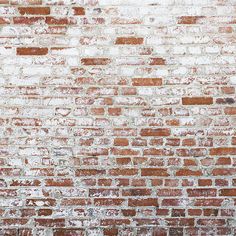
117	117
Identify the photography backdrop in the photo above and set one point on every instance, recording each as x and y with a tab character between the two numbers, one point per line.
117	117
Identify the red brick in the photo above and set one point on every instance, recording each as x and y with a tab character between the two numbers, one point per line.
60	20
123	171
228	192
157	61
194	212
50	222
123	160
155	132
114	111
128	212
10	171
223	161
103	192
146	82
180	222
226	29
187	172
217	222
75	201
224	171
169	192
230	110
95	61
28	20
197	100
44	212
4	21
107	222
121	142
110	232
104	182
201	192
124	152
108	201
32	51
171	202
223	151
136	192
79	11
154	172
34	10
12	222
68	232
143	202
59	182
89	172
34	182
189	19
204	182
129	40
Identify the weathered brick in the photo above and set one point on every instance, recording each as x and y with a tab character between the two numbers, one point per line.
79	11
50	222
155	132
23	20
228	192
59	182
154	172
157	61
143	202
223	151
95	61
50	20
201	192
188	172
189	19
34	10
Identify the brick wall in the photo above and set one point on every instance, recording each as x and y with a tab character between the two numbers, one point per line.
117	117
